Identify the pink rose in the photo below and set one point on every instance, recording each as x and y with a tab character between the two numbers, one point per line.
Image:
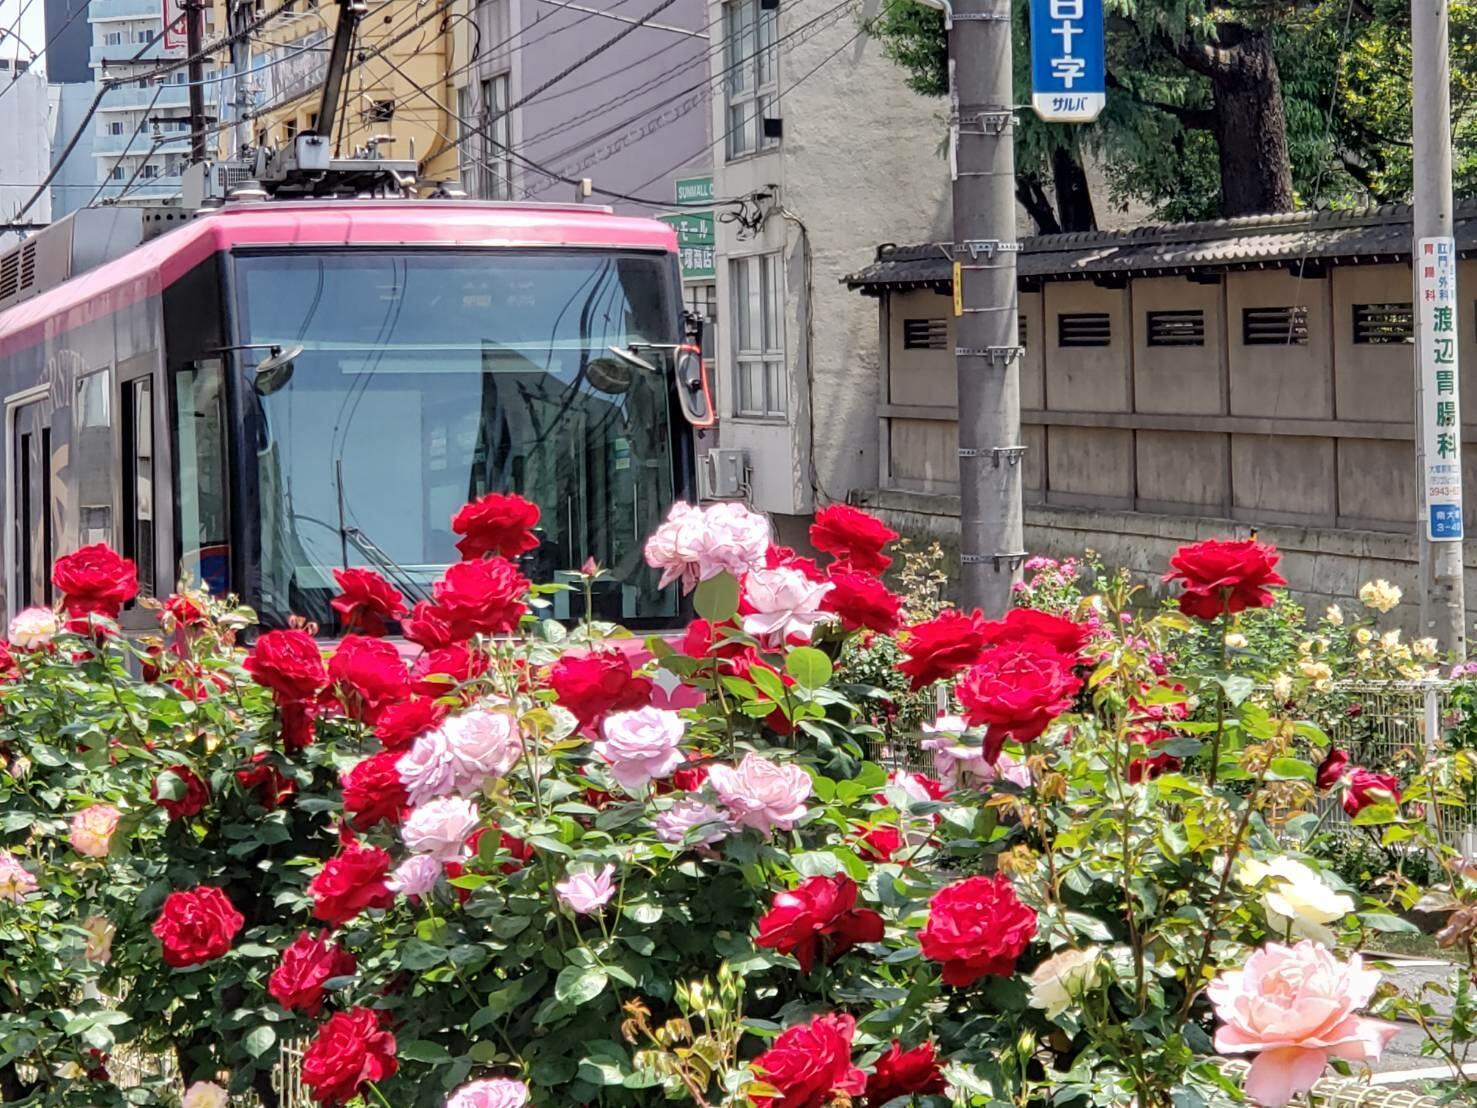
439	828
482	744
675	546
587	893
493	1092
16	882
674	825
1293	1007
762	794
33	628
784	602
641	746
696	544
92	830
427	769
416	876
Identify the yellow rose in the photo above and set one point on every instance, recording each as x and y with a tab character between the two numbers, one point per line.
1363	635
1379	595
1236	641
1334	615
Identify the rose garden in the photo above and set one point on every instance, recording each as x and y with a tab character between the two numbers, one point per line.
835	844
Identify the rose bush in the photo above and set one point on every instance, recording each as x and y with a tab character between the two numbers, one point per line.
529	863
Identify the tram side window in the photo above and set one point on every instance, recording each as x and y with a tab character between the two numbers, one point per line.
24	506
202	544
93	431
138	477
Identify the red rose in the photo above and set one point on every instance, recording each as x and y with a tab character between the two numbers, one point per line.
295	725
975	927
945	645
196	926
191	803
373	792
1221	576
1152	765
482	598
1331	769
809	1064
703	639
437	673
596	684
1364	787
902	1072
264	779
821	909
783	557
369	675
349	883
367	600
852	536
863	601
427	626
349	1050
297	982
97	1065
690	778
1021	624
289	663
879	844
95	581
1015	691
398	725
183	611
499	523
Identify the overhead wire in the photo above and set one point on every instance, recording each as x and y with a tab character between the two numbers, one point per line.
129	146
48	43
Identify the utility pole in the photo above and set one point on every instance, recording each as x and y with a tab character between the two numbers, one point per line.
240	16
1438	422
194	41
987	352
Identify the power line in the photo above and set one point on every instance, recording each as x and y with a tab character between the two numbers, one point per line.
45	46
10	31
129	146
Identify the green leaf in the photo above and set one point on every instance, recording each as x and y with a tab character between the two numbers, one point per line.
809	667
255	950
1377	814
578	985
1237	688
1290	769
1383	921
1089	927
483	1053
419	955
716	599
259	1040
768	682
423	1050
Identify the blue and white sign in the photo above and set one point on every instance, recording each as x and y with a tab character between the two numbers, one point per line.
1068	74
1441	403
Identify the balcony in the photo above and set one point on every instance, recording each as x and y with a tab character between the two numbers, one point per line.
125	51
110	146
135	98
162	188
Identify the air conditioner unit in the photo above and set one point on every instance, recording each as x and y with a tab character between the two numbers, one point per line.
724	475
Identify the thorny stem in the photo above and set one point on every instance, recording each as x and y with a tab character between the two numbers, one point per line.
379	1096
1220	699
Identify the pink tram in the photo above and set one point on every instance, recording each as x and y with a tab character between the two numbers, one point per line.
272	390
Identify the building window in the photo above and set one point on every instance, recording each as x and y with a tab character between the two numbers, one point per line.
1383	324
289	132
115	127
925	334
1020	331
118	173
1285	326
142	36
113	38
1178	328
702	301
752	84
149	172
486	138
1084	329
759	344
381	111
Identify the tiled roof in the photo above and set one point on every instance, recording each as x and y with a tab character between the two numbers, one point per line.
1252	242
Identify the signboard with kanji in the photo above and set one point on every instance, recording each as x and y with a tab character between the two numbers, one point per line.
695	243
1069	82
175	35
1441	405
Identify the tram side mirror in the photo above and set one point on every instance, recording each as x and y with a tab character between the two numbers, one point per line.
609	375
274	371
693	392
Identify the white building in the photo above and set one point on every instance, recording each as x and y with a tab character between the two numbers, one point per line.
817	127
25	144
141	131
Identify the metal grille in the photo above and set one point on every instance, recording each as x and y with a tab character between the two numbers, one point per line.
1383	324
1274	326
10	266
1178	328
925	334
1084	329
27	265
1021	331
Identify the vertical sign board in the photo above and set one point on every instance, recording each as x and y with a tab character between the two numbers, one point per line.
176	36
1441	415
1068	69
695	243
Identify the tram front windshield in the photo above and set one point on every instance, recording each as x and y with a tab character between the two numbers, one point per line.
427	380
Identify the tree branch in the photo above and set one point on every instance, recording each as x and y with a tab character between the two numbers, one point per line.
1195	119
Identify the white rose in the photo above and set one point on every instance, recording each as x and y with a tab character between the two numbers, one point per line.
1379	595
1061	980
1282	686
1334	615
1297	900
1236	640
33	627
205	1094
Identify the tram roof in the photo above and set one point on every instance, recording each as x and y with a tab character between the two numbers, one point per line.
320	224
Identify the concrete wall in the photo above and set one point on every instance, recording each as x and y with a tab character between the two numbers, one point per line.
25	146
1130	442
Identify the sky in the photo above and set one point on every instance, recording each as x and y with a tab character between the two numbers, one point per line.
32	28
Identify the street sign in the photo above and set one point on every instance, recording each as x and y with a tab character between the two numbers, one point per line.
175	32
694	190
695	243
1068	71
1440	384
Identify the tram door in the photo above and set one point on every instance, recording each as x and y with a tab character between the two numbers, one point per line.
31	493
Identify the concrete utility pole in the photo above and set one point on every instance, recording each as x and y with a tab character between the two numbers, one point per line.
987	354
240	16
1437	389
194	40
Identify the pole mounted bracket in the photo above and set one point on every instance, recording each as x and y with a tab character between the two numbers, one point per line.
1011	455
990	121
981	17
1010	561
995	355
989	247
